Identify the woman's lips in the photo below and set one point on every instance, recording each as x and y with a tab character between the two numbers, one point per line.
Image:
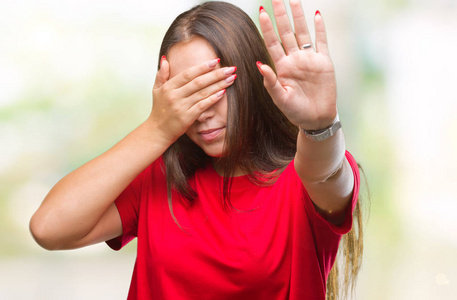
211	134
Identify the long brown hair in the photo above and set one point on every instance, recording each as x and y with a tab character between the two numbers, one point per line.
259	138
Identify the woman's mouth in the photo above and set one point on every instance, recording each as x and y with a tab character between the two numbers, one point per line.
210	134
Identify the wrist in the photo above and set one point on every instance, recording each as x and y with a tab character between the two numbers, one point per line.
153	133
320	123
323	133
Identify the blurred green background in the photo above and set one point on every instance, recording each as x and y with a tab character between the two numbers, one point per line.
76	76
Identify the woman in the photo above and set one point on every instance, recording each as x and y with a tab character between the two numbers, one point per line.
228	198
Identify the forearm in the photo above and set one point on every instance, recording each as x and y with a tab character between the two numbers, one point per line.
325	173
76	203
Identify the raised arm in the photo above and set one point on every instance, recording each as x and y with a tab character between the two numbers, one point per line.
304	88
79	210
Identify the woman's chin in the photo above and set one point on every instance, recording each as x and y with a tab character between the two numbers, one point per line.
214	152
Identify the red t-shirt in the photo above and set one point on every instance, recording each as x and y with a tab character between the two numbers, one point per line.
275	247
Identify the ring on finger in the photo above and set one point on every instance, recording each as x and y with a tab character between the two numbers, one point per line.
306	46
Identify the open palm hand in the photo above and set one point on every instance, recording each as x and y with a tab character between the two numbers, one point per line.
304	87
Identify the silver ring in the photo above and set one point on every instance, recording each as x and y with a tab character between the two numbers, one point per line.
305	46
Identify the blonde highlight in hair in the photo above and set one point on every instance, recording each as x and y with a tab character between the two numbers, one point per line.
350	253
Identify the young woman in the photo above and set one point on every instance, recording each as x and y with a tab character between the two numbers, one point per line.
238	185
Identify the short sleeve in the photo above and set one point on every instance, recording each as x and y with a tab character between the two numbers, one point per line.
346	226
127	205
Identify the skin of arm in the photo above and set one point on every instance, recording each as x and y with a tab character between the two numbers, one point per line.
79	210
304	88
70	213
326	174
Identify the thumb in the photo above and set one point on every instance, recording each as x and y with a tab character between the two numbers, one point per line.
163	74
270	81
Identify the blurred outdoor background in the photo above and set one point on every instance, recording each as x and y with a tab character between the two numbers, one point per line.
76	76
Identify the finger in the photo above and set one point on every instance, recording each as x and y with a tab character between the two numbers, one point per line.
285	30
190	74
270	81
199	107
301	28
321	35
269	35
210	90
163	74
204	85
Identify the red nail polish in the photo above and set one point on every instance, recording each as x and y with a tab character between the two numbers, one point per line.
317	13
162	59
235	69
261	9
220	93
259	66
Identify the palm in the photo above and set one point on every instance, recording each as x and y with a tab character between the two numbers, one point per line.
304	87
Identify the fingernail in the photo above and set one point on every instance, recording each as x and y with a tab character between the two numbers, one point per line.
162	59
230	70
259	66
261	9
317	13
230	79
220	93
213	63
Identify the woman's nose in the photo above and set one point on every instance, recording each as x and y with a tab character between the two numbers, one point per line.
207	114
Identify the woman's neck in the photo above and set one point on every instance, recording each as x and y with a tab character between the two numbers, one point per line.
218	164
